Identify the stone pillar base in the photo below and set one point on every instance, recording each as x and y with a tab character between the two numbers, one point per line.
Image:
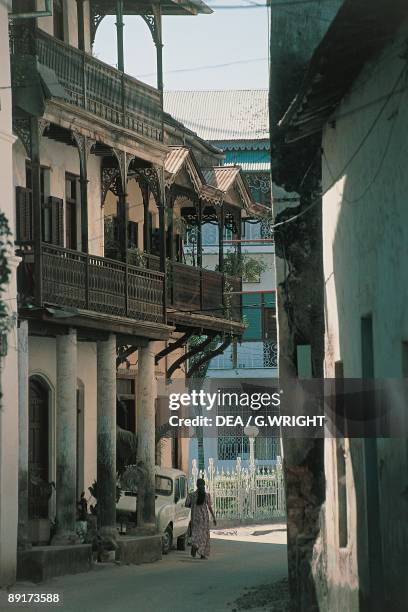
146	529
108	538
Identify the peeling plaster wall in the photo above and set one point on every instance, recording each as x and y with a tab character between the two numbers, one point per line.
365	230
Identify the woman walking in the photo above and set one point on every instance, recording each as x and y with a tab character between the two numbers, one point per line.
200	504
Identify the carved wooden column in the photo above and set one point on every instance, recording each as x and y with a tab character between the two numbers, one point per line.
35	135
146	217
80	20
123	211
199	233
221	222
119	34
84	146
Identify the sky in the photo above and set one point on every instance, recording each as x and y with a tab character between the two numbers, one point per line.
225	50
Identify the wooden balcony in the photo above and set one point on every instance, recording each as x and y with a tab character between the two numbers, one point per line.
86	282
204	292
93	85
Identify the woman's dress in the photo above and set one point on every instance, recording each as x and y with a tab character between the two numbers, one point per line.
200	523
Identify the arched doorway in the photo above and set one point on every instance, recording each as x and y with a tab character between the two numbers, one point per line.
38	453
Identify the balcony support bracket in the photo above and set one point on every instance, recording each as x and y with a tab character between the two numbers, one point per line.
191	353
173	346
208	356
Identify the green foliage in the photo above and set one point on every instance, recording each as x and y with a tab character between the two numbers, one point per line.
194	341
134	476
245	267
138	258
5	247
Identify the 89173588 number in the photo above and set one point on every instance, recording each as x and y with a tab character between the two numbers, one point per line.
19	599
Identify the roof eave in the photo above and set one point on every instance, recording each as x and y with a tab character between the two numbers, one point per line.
352	47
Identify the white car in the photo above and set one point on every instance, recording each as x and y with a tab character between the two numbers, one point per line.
172	517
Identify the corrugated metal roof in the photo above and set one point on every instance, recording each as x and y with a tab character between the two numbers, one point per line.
221	115
175	159
249	161
221	177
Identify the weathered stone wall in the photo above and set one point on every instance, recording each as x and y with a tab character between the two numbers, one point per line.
295	32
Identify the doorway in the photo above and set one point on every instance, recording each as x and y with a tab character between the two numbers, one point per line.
38	449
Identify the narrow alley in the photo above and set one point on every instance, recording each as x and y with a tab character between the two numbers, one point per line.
178	583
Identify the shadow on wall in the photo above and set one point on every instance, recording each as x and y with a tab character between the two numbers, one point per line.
369	254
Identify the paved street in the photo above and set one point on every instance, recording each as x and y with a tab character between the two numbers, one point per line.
179	583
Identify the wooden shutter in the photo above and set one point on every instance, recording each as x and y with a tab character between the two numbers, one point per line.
24	216
132	234
56	206
269	324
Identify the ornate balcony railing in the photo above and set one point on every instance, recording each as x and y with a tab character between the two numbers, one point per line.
88	282
93	85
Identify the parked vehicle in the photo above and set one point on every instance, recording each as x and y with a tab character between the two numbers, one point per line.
172	517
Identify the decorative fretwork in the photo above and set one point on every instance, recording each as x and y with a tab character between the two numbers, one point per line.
97	13
21	128
111	181
150	177
122	166
260	187
267	227
270	354
259	182
83	143
152	25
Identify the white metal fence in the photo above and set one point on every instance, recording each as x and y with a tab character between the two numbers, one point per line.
245	493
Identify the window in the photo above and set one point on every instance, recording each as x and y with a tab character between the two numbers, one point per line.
260	316
58	18
367	347
405	359
183	488
71	205
46	209
126	408
251	230
164	486
232	442
132	235
209	233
